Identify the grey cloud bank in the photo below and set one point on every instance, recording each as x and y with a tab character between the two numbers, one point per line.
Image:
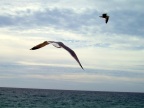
123	22
94	78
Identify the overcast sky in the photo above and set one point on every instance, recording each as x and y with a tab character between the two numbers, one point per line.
112	54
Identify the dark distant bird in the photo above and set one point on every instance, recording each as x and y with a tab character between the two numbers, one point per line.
106	17
58	45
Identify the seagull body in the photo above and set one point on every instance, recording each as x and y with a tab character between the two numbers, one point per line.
58	45
105	16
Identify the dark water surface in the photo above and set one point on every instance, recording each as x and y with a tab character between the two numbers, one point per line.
45	98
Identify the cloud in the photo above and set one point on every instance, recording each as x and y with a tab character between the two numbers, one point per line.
86	22
48	72
92	54
78	6
123	19
86	26
87	78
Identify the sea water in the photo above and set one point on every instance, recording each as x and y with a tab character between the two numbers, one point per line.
45	98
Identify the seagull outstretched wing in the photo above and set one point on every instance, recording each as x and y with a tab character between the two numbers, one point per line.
58	45
72	54
106	19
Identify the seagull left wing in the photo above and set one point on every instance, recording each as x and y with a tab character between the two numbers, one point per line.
72	54
40	45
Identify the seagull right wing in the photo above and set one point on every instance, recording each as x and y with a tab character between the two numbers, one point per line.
40	45
107	18
72	54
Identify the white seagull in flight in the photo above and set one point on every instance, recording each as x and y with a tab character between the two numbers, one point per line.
58	45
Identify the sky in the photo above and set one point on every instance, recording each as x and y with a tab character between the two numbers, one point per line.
111	54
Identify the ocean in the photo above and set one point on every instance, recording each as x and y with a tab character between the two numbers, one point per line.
47	98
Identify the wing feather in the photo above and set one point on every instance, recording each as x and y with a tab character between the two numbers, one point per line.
107	19
72	54
40	45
